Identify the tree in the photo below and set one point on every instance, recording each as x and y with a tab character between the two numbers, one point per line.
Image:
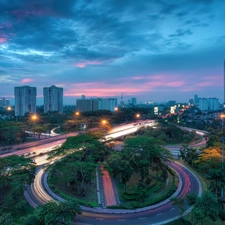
144	152
56	213
180	203
6	219
15	173
188	154
206	206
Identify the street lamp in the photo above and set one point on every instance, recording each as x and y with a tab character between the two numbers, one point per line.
104	122
116	109
222	191
222	116
77	113
34	118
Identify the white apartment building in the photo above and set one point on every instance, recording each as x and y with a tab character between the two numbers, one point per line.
53	99
92	104
25	100
208	104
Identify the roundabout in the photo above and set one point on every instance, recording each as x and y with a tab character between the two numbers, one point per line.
40	193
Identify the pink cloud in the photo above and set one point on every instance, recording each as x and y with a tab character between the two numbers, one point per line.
100	89
26	80
87	63
2	39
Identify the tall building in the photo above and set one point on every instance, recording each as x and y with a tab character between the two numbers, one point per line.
25	100
203	104
196	99
211	104
53	99
4	102
84	105
133	101
92	104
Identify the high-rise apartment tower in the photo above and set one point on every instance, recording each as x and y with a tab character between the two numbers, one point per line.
25	100
53	99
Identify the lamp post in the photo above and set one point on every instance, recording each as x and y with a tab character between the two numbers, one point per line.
222	191
104	122
77	113
34	118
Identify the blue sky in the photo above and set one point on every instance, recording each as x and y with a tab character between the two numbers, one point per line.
156	50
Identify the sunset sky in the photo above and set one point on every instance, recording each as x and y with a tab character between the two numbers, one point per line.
154	50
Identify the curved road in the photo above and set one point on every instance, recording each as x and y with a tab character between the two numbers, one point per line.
153	215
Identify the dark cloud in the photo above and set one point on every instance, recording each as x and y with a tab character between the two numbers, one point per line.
103	39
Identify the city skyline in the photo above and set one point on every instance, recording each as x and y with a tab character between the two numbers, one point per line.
154	51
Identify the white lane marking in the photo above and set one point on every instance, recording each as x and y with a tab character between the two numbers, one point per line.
142	218
99	218
158	214
121	220
172	209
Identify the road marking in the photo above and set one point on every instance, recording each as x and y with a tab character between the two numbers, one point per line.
142	218
121	220
172	209
158	214
99	218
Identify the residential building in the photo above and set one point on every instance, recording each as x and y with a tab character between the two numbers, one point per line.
196	99
4	102
94	104
208	104
25	100
213	104
84	105
133	101
53	99
203	104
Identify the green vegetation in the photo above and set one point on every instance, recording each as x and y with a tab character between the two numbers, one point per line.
15	173
53	213
140	168
169	134
75	173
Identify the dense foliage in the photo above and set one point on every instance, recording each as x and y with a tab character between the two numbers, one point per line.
169	133
78	168
56	213
139	155
15	173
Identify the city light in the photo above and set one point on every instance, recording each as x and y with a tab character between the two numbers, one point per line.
77	113
104	122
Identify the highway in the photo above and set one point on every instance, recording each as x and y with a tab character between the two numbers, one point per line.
149	215
188	181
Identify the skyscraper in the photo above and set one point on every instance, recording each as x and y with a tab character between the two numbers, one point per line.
25	100
53	99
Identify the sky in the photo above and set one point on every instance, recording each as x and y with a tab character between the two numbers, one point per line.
154	50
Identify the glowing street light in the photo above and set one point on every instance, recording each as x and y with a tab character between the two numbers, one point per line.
138	115
34	117
77	113
104	122
9	108
116	108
